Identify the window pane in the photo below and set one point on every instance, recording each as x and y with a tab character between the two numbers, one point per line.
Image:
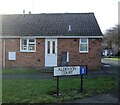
31	47
53	47
83	40
48	47
83	47
24	41
24	44
31	40
24	47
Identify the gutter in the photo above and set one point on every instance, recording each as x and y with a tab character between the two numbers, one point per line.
51	36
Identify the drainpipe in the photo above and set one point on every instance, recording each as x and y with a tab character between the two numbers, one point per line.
4	52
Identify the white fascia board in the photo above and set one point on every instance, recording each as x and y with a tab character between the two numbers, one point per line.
51	36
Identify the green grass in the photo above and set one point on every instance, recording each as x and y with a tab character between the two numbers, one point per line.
116	59
43	90
20	71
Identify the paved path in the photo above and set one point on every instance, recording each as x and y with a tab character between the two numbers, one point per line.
108	69
111	66
110	61
50	75
104	98
28	76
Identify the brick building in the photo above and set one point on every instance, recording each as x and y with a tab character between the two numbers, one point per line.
38	40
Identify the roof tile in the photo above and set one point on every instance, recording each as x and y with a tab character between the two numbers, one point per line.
51	24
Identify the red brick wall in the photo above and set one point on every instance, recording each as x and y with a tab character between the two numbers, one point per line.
25	59
92	59
36	59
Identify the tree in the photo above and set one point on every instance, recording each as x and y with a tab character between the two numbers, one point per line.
112	37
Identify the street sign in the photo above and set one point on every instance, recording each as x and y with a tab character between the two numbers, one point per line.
70	70
66	70
83	70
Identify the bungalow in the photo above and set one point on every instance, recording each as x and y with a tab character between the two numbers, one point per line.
38	40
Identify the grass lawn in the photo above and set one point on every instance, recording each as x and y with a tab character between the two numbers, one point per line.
113	58
43	90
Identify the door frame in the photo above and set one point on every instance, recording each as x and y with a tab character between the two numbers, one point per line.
51	46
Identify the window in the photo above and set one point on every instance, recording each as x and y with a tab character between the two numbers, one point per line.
53	47
24	44
84	45
48	50
27	45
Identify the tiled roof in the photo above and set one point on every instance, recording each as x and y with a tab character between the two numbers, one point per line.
54	24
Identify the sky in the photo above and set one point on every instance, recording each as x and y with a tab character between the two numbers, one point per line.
106	11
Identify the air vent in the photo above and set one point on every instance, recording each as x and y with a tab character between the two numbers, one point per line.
69	28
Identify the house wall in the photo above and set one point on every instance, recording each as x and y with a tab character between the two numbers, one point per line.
36	59
92	59
25	59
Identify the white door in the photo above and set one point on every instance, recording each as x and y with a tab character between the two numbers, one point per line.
50	52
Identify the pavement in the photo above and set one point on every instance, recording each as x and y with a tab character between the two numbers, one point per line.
104	98
109	68
110	61
28	76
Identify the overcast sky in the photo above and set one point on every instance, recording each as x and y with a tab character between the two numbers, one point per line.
106	11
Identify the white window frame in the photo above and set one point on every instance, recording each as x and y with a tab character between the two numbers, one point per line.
27	45
84	43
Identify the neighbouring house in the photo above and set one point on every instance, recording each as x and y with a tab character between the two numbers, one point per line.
38	40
